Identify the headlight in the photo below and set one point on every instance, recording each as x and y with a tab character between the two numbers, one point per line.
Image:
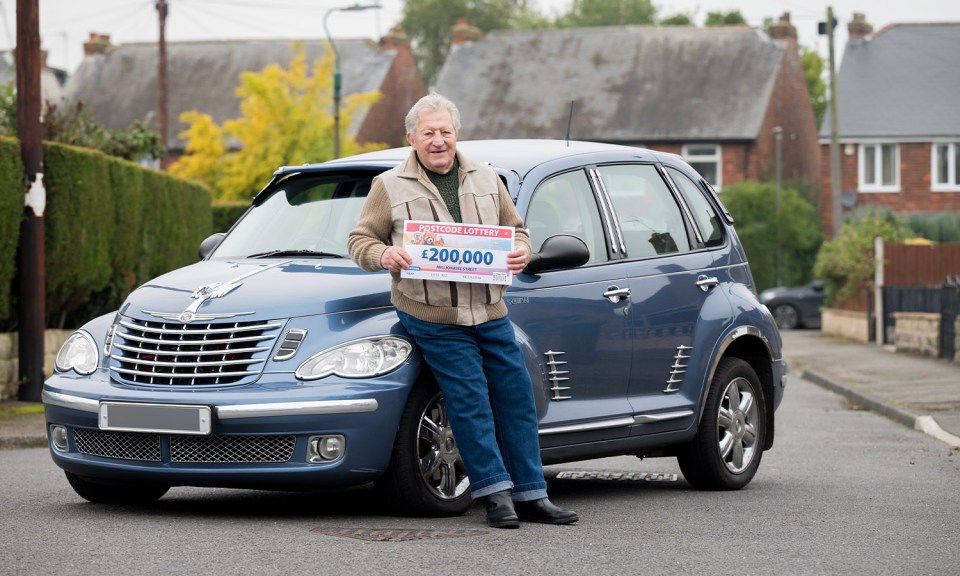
360	359
78	353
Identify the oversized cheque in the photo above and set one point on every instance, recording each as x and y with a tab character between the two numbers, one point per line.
458	252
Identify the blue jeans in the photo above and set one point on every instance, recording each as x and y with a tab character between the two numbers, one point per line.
489	401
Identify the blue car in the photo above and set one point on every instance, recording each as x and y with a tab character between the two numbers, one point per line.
275	362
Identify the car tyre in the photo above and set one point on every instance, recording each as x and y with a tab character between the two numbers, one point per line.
103	492
426	476
726	451
786	316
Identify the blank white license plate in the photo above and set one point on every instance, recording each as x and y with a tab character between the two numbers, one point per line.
161	418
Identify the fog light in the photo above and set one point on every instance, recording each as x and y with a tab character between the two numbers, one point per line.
325	448
58	437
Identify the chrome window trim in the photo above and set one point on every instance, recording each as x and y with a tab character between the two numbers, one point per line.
607	209
678	194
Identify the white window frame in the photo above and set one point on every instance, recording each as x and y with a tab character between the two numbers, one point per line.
953	170
877	147
716	157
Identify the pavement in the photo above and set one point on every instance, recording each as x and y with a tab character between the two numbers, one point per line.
917	392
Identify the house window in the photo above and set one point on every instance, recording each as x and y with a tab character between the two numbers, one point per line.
705	159
879	168
945	166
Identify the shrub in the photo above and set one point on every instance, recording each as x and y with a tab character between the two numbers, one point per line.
761	227
847	264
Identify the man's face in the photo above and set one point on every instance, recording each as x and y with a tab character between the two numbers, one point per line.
435	141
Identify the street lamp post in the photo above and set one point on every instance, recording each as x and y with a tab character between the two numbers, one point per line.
336	68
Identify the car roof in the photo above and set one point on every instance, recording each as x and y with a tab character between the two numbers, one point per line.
516	155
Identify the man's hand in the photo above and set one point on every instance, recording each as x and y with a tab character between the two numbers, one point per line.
395	259
517	260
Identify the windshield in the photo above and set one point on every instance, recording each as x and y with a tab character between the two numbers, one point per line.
308	214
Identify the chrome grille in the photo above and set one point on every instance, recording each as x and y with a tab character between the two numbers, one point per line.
163	353
123	445
231	448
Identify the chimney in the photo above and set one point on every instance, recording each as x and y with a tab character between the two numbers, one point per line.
858	27
97	44
783	29
462	32
395	39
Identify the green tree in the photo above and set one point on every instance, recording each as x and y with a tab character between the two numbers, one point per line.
677	20
428	23
847	264
813	72
730	18
761	227
285	120
586	13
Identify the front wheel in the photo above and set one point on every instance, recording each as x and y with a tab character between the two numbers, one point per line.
426	476
726	451
104	492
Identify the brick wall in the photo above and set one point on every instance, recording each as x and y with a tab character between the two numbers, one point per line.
917	333
915	194
9	359
401	89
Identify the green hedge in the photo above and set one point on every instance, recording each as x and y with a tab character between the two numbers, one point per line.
227	212
11	212
110	225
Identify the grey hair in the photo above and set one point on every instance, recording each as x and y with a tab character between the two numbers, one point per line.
432	102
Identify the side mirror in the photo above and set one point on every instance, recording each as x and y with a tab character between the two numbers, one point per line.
210	244
557	253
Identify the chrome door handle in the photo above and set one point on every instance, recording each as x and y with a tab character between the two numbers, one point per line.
615	294
706	282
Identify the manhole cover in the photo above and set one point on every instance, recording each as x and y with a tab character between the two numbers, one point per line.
617	476
397	534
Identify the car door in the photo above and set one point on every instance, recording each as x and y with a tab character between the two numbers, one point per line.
669	278
575	319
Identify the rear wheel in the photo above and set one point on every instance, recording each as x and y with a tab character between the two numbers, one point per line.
106	492
725	453
426	476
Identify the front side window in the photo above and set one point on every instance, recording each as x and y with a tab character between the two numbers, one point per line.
706	160
879	168
564	204
649	216
945	166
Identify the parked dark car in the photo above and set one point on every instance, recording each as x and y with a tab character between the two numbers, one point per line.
275	362
795	307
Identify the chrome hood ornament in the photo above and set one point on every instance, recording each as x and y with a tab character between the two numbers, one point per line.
209	292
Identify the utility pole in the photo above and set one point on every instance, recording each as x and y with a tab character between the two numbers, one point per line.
835	175
162	76
778	134
30	258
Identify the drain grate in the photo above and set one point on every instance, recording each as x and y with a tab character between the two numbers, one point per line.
617	476
397	534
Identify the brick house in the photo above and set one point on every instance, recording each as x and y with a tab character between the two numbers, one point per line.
119	83
713	95
899	129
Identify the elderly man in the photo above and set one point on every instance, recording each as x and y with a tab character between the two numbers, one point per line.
460	328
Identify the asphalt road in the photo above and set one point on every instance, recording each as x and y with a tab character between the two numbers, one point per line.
842	492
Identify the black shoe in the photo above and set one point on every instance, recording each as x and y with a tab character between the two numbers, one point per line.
544	512
500	513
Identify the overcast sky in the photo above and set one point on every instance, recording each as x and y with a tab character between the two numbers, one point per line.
66	24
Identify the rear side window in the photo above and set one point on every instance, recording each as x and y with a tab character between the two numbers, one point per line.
649	216
707	220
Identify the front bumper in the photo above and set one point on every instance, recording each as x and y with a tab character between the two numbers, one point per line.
259	433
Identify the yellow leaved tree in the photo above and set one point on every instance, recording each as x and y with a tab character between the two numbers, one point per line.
286	119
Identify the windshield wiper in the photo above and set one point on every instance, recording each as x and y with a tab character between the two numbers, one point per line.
283	253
